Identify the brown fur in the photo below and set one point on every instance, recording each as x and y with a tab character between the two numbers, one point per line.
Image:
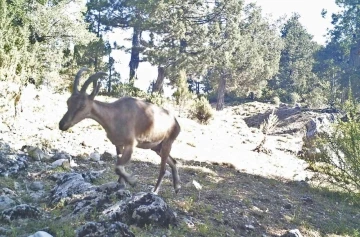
129	123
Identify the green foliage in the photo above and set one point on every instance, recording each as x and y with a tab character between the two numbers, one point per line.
35	37
182	93
155	98
339	157
201	110
316	98
276	100
127	89
296	62
294	97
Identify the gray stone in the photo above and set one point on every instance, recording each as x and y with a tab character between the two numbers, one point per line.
6	202
21	211
288	206
95	156
36	186
91	176
11	164
41	234
38	155
94	229
61	155
292	233
61	162
107	156
69	184
4	147
320	124
109	188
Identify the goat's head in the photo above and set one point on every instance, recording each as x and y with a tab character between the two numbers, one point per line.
80	103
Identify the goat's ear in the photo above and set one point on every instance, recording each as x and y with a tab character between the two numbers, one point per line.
95	90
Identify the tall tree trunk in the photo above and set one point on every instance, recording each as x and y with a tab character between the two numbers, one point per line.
159	84
221	93
96	62
135	54
109	80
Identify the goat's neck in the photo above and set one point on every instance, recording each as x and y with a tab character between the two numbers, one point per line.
101	113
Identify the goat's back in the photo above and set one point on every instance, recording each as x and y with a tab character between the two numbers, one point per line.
149	122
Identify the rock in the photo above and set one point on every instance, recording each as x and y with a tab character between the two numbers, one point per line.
94	229
249	227
6	202
122	194
141	209
109	188
91	176
292	233
4	231
61	155
11	164
307	200
320	124
41	234
21	211
69	184
288	206
95	156
38	155
4	147
107	156
36	186
61	162
8	191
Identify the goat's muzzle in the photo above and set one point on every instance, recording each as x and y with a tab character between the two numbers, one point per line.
62	125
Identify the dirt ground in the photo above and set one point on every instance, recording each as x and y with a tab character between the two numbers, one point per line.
243	193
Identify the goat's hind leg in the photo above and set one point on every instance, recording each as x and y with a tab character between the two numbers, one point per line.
172	164
175	173
121	162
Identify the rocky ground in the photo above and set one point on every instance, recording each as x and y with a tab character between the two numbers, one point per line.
63	183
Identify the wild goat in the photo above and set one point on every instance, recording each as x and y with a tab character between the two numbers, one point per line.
129	123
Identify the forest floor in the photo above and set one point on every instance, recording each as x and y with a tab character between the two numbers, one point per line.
243	193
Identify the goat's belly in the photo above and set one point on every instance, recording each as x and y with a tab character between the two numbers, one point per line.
147	145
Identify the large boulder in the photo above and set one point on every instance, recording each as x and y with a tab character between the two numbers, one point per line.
321	124
69	184
21	211
106	229
141	209
11	164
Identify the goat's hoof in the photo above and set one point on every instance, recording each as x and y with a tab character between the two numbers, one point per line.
122	183
177	189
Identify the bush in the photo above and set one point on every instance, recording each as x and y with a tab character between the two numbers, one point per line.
126	89
201	110
339	154
294	97
276	100
316	98
155	98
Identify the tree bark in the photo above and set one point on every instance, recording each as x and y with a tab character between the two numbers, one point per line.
159	84
221	93
135	54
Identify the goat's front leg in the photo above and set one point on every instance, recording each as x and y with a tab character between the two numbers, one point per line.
121	162
119	151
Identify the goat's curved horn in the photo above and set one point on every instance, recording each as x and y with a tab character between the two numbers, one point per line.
77	79
92	78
